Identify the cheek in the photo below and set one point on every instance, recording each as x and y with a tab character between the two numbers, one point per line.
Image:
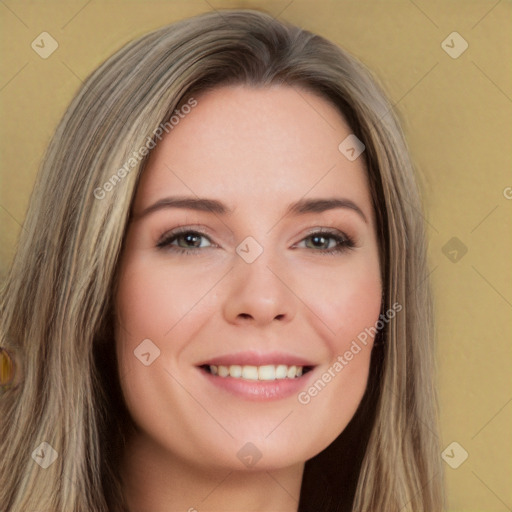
347	301
346	304
351	308
355	307
153	297
143	307
161	303
154	302
146	308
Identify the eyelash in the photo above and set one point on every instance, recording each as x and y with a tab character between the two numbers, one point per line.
343	242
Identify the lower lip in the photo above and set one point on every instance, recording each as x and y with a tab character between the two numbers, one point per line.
259	390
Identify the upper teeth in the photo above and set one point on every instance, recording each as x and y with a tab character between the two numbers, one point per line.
267	372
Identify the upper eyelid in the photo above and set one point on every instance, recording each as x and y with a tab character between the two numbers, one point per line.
178	230
326	230
173	234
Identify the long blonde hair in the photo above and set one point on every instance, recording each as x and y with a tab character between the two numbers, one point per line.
56	303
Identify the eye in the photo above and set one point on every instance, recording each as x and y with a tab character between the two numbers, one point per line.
328	242
188	241
183	241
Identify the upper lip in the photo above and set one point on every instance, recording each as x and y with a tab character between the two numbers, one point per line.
254	358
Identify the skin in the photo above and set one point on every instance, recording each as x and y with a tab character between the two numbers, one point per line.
257	150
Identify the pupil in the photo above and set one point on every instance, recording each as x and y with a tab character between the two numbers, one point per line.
318	240
191	240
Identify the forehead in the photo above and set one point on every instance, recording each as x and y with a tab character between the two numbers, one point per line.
243	144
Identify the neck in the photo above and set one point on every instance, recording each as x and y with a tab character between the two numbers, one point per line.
156	480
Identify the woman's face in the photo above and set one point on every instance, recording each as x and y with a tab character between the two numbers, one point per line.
252	254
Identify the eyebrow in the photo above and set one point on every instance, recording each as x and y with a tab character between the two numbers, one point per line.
301	207
321	205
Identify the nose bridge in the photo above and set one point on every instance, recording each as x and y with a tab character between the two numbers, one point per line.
257	290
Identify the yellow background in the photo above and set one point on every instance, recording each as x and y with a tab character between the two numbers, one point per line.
456	114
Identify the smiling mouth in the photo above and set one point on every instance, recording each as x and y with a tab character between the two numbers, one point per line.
267	372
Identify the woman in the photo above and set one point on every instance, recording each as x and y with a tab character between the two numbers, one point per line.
219	299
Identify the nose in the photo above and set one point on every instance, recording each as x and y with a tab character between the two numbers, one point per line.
259	294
